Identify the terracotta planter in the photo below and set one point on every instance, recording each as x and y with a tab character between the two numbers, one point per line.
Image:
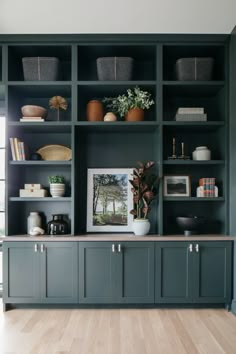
135	115
94	112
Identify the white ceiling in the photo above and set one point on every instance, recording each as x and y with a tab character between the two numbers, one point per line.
117	16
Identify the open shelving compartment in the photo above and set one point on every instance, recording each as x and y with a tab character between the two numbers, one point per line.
144	65
89	92
112	148
17	52
39	95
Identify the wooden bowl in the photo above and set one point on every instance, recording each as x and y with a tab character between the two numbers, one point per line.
33	111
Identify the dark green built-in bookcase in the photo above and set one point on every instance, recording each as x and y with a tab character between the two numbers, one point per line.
118	144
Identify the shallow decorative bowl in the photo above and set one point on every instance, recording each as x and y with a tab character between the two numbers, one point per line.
33	111
190	225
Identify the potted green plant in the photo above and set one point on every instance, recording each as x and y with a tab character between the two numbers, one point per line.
145	185
57	186
130	105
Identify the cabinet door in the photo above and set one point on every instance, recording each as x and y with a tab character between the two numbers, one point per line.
96	272
135	272
212	272
59	272
21	272
173	272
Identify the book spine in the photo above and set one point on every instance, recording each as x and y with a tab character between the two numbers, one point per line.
16	140
13	152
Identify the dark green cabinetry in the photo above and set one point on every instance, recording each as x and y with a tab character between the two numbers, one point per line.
193	272
36	272
116	272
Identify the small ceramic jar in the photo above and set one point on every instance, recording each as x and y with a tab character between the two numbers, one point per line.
33	220
201	153
110	117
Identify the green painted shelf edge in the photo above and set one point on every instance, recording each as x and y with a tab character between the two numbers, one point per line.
193	199
191	162
41	163
44	199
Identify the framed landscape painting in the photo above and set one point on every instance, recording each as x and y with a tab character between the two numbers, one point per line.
109	200
177	186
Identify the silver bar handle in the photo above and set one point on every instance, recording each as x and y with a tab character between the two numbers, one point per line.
42	248
190	247
197	247
35	247
119	248
113	248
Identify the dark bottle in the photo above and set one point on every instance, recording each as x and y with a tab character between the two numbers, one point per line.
57	226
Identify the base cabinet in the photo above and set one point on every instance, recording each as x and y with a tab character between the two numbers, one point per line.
193	272
112	272
40	272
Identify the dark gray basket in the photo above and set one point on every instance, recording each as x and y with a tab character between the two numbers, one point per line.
41	68
115	68
194	69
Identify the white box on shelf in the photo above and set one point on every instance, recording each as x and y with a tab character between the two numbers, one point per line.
35	193
32	186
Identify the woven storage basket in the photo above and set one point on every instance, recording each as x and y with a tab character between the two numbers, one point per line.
41	68
115	68
194	69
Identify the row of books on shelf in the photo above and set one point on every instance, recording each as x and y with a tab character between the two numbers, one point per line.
19	150
207	188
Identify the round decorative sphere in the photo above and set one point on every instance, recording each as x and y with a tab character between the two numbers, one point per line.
110	117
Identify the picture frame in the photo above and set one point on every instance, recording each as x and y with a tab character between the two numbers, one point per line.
109	200
177	186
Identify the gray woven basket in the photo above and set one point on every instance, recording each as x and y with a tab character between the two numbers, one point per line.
41	68
115	68
194	69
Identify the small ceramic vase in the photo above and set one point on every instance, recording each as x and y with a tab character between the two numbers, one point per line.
110	117
33	220
141	227
94	111
201	153
57	226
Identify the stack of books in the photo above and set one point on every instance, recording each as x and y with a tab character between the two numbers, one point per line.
18	149
33	190
191	114
32	119
207	188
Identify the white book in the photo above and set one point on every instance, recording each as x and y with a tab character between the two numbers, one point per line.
27	120
190	110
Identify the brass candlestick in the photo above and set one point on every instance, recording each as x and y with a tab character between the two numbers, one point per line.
183	156
173	156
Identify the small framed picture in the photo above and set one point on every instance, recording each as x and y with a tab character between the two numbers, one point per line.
109	200
177	186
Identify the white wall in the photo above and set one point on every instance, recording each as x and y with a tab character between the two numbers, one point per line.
117	16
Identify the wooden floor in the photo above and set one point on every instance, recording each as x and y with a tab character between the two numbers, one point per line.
115	331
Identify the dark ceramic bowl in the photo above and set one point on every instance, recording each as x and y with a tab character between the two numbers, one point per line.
190	225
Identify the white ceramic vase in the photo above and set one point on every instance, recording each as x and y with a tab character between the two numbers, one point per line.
141	227
33	220
57	190
201	153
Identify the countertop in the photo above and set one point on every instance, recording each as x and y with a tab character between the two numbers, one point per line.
118	238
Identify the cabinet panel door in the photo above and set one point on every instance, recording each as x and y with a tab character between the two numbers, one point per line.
59	272
212	272
173	272
96	272
136	262
20	273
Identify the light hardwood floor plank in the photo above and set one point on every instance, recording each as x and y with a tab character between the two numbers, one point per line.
117	331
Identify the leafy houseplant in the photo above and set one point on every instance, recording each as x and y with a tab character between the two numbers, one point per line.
145	186
56	179
135	101
57	186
